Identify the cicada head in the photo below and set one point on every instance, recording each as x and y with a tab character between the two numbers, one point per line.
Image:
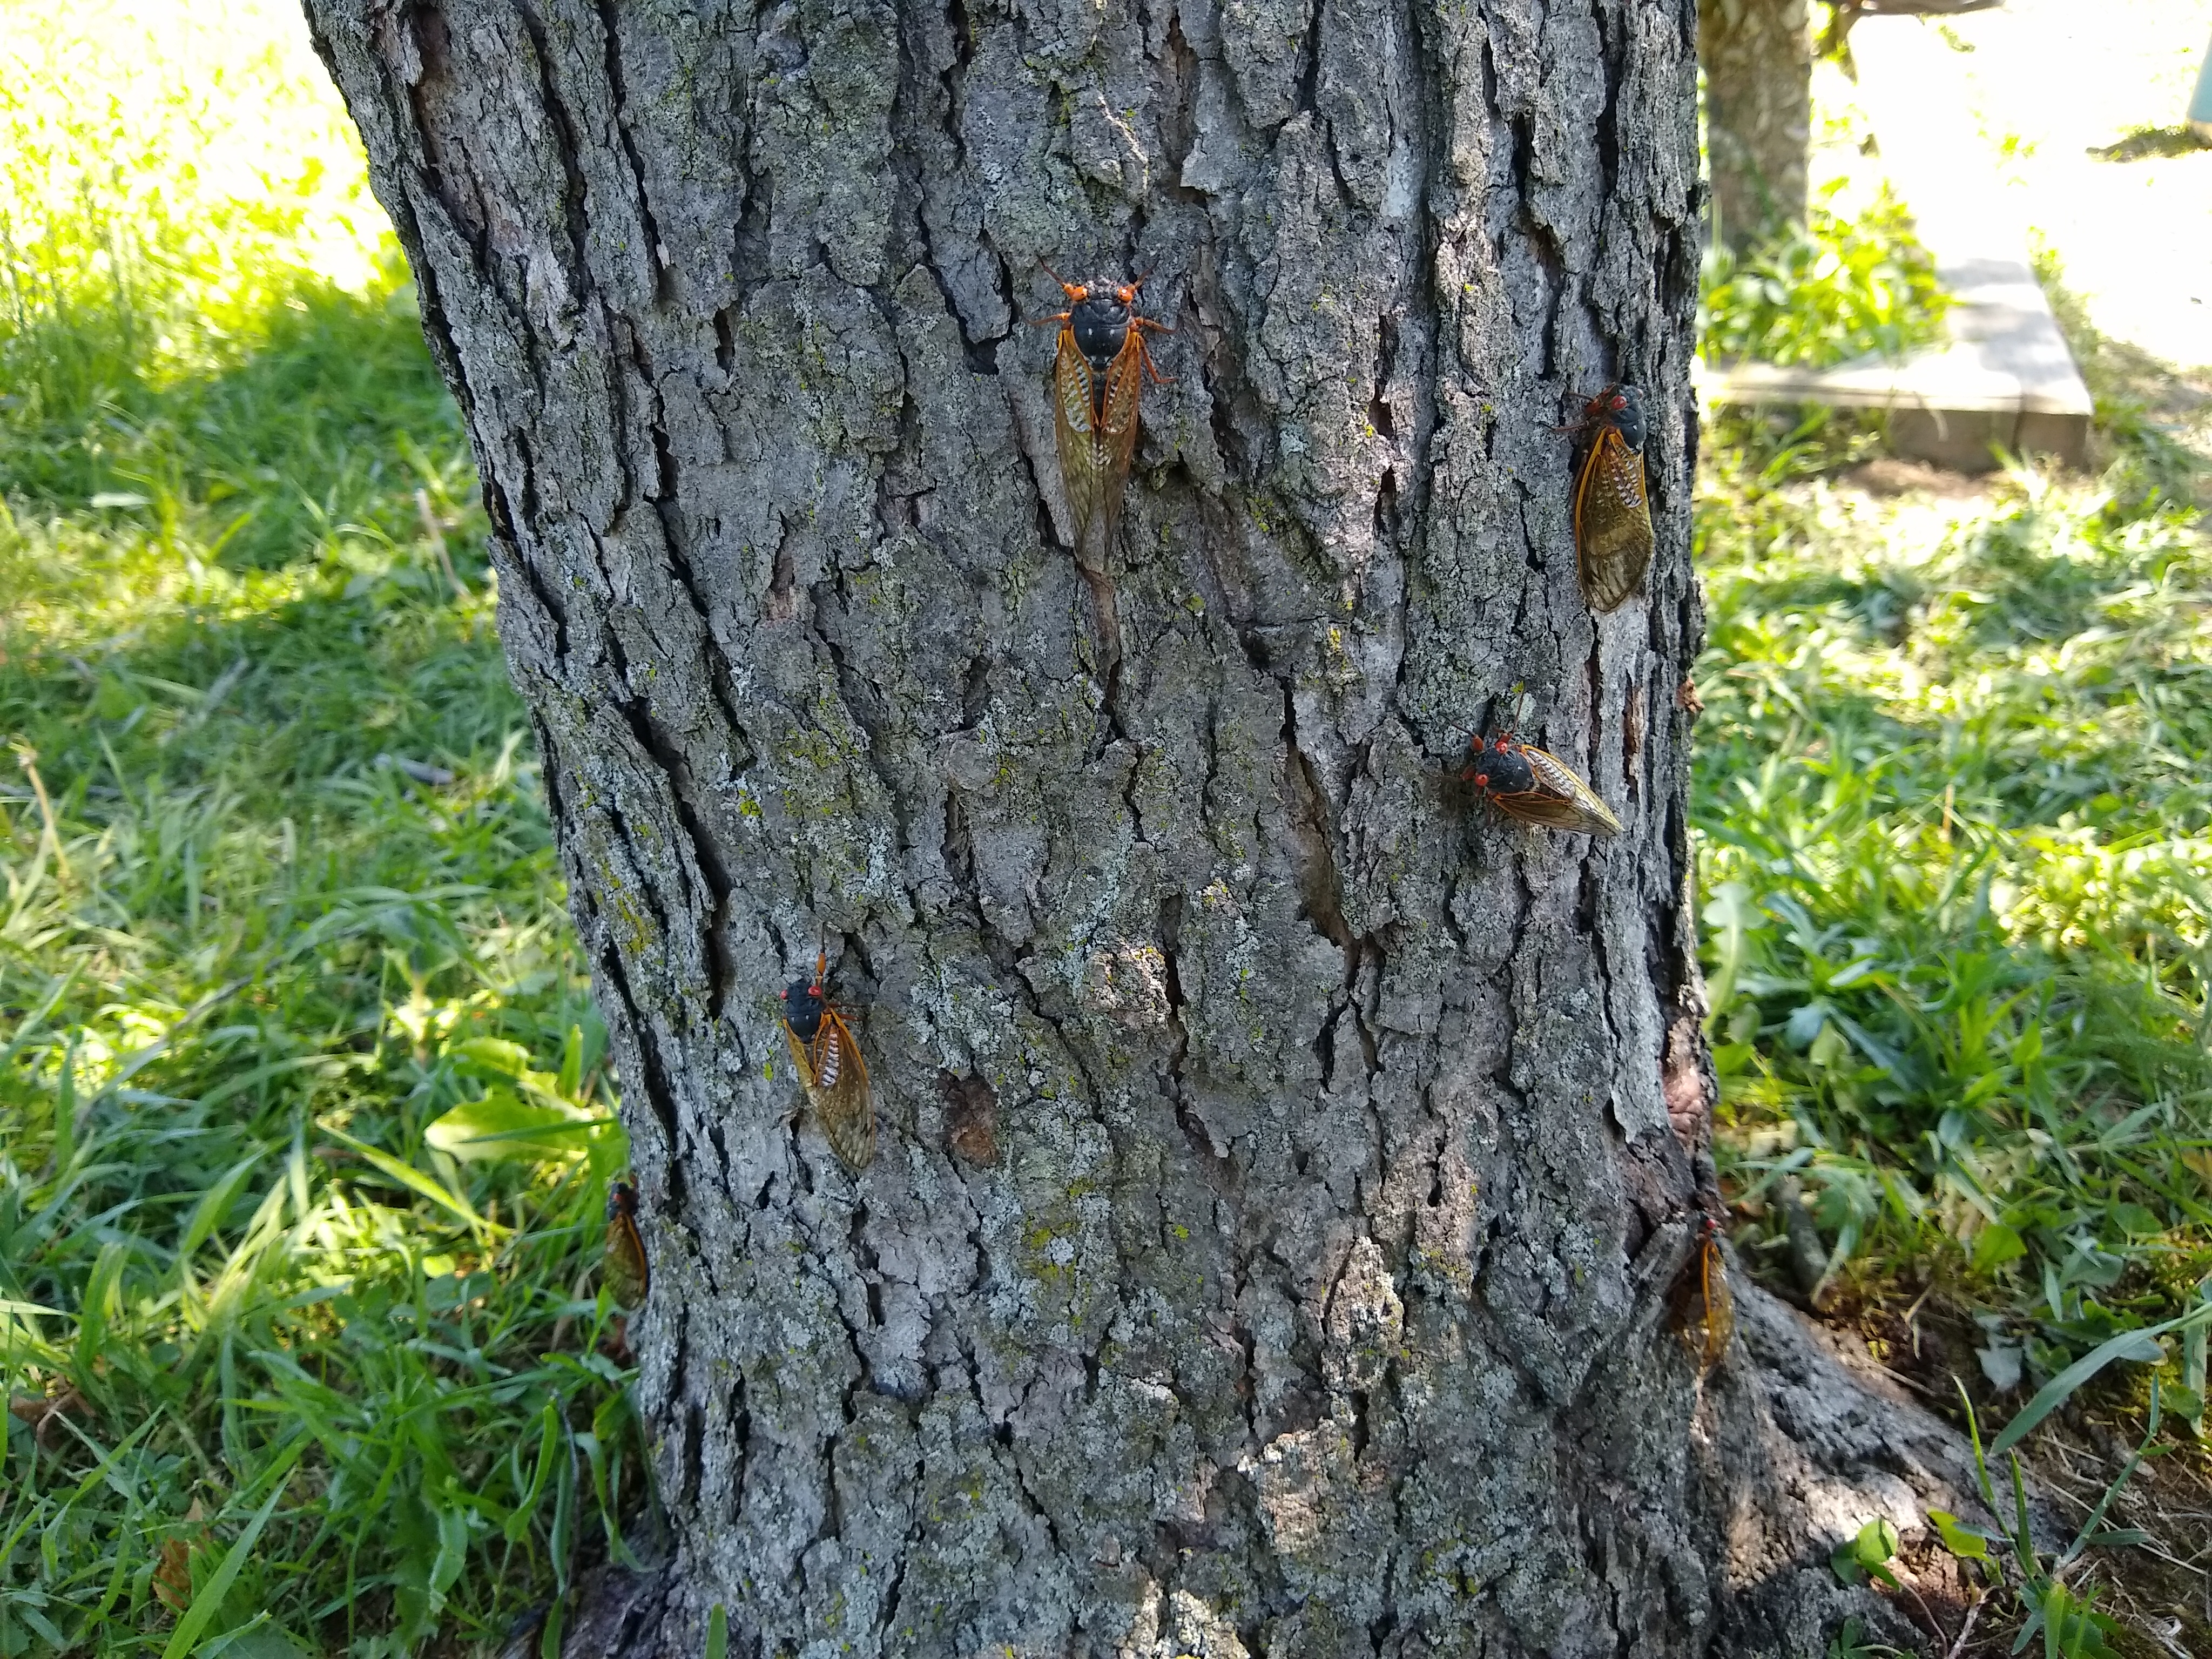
1099	320
1621	408
1498	768
805	999
622	1200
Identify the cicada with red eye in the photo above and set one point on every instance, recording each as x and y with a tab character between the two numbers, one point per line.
1532	786
1613	515
627	1274
830	1069
1704	1306
1098	372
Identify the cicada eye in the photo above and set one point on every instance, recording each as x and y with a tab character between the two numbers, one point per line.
1482	778
1126	294
1619	400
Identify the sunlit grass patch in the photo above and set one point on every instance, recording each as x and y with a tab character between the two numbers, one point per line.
290	1357
1837	287
1958	862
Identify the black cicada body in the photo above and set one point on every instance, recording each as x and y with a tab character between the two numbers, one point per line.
627	1274
1096	377
828	1058
1613	516
1533	787
1704	1306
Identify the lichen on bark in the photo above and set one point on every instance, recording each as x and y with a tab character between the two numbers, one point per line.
1312	1300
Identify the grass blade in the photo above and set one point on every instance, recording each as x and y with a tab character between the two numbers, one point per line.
209	1602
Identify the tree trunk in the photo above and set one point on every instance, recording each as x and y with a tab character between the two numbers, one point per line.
1309	1294
1757	56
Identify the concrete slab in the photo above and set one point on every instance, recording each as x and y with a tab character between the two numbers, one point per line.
2005	379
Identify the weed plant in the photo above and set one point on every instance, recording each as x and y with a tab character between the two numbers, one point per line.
1957	855
1825	292
298	1362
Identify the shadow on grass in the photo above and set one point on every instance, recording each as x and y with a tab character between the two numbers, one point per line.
322	410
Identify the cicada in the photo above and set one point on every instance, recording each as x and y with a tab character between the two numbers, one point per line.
1704	1308
1613	518
1096	378
830	1069
1534	787
627	1275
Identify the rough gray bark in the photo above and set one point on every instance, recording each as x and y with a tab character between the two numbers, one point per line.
1313	1298
1758	57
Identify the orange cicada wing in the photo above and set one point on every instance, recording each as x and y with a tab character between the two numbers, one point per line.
838	1091
1075	422
1720	1303
1612	520
1705	1307
802	1058
1117	425
1537	806
1590	811
627	1273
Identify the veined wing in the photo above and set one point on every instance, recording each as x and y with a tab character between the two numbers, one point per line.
628	1275
1589	812
1074	423
1613	521
837	1088
1117	426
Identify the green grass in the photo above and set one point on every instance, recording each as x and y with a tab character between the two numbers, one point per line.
279	896
1840	286
1957	856
295	1365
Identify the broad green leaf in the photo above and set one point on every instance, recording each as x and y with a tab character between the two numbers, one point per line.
491	1057
504	1125
1866	1554
1962	1542
1997	1244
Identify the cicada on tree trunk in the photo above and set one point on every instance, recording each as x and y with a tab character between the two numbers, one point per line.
1099	371
1533	786
828	1058
1704	1306
1613	516
627	1274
